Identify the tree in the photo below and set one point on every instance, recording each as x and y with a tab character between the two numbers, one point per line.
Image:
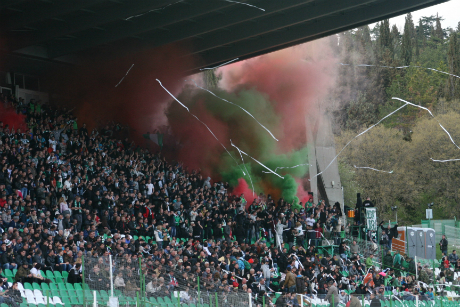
438	30
406	48
453	60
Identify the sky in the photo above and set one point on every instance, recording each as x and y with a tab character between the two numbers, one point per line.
448	10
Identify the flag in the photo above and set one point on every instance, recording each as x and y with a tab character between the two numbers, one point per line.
157	138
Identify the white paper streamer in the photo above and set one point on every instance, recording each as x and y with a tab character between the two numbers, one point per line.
357	137
202	123
124	76
401	67
219	65
161	8
442	161
374	169
245	4
255	160
247	112
420	107
281	167
250	179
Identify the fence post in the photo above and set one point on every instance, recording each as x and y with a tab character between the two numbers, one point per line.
83	276
141	278
333	302
137	299
111	275
199	300
363	299
47	299
178	298
217	301
263	301
250	299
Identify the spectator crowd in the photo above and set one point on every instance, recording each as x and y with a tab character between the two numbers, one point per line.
70	196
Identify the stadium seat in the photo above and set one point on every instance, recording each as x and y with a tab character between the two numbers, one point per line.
74	301
77	287
36	286
49	274
65	274
28	286
61	286
69	286
53	286
45	287
8	273
153	300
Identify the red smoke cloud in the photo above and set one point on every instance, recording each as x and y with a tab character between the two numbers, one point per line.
295	79
243	188
138	101
9	117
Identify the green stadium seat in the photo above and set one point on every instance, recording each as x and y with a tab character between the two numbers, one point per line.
62	293
43	274
77	287
57	274
69	286
28	286
160	300
65	300
4	305
41	305
74	300
45	287
58	305
24	305
36	286
49	274
153	300
65	274
59	280
167	300
8	273
61	286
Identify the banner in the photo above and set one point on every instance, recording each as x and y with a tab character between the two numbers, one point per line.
371	219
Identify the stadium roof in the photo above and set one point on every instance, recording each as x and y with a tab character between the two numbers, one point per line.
58	31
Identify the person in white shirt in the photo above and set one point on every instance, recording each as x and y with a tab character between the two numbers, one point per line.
150	187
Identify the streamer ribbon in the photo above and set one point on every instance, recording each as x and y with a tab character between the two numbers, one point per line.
161	8
281	167
417	106
250	179
255	160
246	4
443	161
246	111
219	65
374	169
401	67
202	123
357	137
124	76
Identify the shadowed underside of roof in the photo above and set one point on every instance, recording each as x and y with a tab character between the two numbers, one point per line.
55	32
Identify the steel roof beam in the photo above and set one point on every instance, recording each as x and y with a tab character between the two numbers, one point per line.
143	24
288	18
77	24
304	32
57	8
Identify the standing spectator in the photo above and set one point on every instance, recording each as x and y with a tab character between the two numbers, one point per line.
443	245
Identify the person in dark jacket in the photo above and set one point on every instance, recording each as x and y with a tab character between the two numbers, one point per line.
75	275
23	274
51	261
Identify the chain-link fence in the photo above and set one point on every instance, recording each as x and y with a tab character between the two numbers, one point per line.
146	282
